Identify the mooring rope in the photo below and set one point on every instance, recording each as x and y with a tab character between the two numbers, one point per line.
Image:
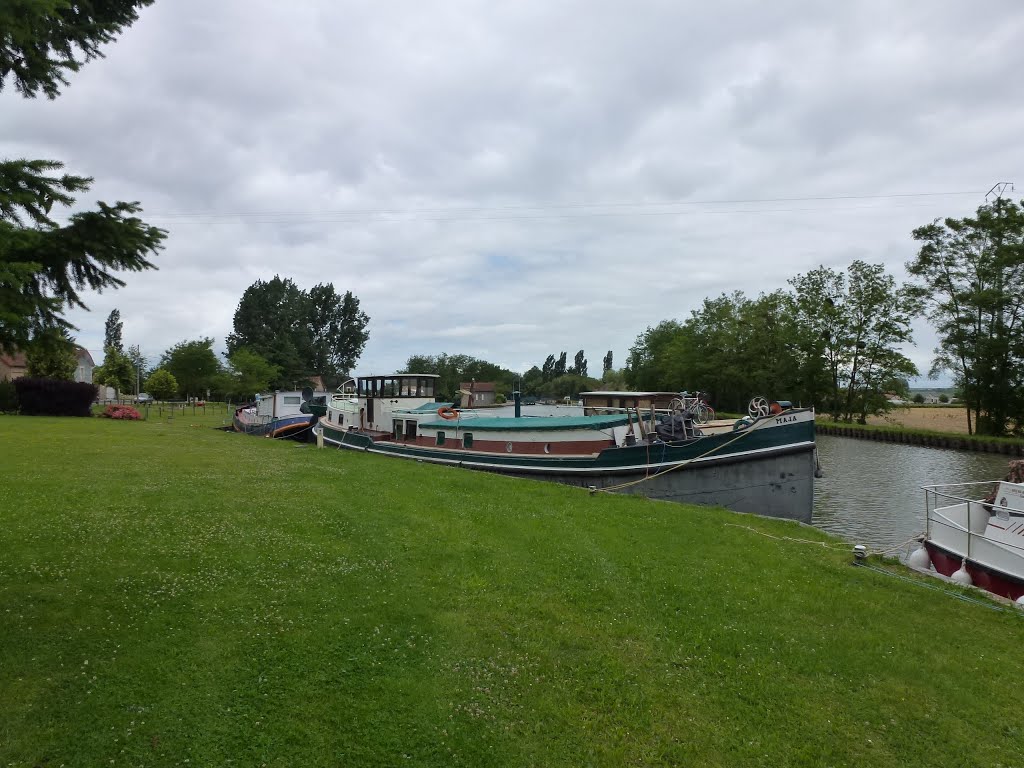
681	464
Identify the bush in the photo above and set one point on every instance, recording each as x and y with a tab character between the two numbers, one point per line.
124	412
49	397
919	398
8	397
943	398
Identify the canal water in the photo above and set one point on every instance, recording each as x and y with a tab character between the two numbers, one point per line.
870	492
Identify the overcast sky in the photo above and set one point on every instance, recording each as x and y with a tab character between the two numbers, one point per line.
511	180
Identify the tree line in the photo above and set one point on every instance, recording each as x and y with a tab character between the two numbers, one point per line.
282	337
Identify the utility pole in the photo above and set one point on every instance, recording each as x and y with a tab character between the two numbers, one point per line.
998	189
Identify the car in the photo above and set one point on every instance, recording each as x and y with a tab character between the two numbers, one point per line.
144	397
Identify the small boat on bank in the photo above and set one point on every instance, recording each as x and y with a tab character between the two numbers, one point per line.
975	533
764	465
281	414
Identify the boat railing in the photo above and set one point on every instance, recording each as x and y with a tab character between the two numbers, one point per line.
944	495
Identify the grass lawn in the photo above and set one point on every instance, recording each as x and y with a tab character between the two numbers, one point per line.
175	595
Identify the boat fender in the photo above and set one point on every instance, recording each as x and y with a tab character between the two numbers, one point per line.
448	413
1020	602
741	424
962	576
919	558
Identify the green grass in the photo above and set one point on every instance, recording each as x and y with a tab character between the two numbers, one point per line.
175	595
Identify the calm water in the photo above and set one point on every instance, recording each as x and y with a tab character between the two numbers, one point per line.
871	492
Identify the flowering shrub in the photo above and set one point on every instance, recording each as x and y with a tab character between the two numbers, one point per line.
121	412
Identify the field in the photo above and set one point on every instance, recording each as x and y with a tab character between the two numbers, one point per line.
946	418
175	595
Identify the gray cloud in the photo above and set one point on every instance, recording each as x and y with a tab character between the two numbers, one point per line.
505	180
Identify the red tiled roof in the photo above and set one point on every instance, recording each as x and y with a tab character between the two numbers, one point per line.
480	386
17	360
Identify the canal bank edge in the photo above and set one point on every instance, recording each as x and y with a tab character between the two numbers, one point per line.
1006	447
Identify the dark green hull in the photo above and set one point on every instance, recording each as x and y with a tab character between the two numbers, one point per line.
768	471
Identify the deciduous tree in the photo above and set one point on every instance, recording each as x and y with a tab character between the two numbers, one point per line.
579	365
51	355
161	384
971	276
112	331
193	365
302	334
117	371
250	373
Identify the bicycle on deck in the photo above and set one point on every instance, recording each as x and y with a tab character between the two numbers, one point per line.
695	405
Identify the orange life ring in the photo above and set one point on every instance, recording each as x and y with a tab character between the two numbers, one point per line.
447	412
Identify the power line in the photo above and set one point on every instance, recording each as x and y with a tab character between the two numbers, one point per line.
554	207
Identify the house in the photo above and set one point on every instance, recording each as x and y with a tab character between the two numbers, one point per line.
480	392
13	366
86	365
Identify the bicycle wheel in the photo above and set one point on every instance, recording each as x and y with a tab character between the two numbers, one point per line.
701	413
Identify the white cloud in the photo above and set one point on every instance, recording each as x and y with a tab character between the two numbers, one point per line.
514	180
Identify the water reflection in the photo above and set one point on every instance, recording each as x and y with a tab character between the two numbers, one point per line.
871	492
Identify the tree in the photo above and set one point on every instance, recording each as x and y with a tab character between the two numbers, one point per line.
138	361
117	371
45	40
547	372
849	327
338	328
649	365
161	384
531	381
579	366
112	331
880	314
823	338
559	369
193	365
568	385
51	355
614	380
607	362
250	373
302	334
43	266
971	276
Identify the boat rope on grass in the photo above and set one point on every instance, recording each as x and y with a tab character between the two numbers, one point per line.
939	588
680	465
822	544
861	564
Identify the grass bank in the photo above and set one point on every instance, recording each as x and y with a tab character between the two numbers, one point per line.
175	595
1011	446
